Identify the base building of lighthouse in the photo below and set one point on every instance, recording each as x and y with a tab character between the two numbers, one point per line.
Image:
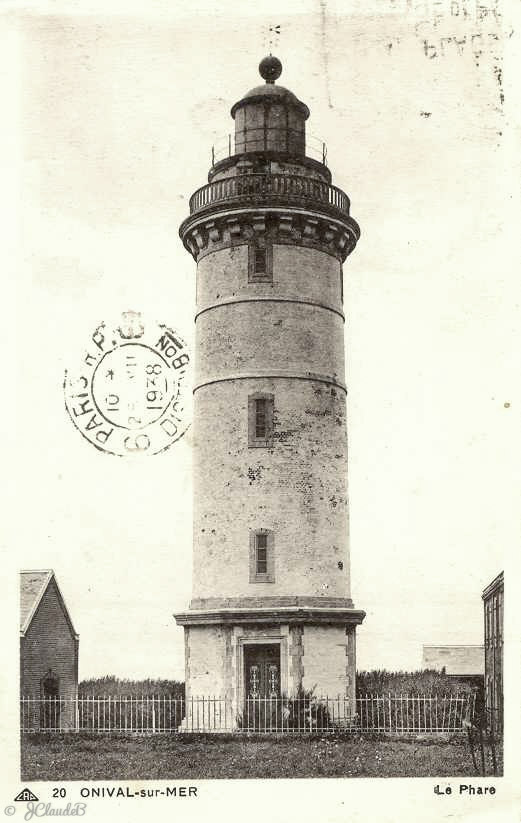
271	612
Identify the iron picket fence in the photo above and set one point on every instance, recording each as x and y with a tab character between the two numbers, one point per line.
150	714
415	714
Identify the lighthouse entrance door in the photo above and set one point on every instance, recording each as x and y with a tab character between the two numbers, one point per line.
262	686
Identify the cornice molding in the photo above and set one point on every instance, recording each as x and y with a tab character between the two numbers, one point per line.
290	614
204	234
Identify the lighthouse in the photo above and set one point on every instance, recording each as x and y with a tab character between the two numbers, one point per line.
271	613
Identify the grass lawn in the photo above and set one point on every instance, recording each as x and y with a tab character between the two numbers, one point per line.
97	757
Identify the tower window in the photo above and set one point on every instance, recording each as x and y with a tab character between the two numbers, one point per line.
260	261
262	558
260	420
260	257
261	553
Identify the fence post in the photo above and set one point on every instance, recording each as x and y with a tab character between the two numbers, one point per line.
481	749
153	715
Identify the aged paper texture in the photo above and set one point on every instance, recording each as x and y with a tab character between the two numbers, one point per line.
113	115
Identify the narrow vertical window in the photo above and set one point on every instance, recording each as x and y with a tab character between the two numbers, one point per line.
261	553
260	261
262	559
260	420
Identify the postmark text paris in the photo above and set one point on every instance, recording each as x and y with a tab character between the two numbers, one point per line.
126	395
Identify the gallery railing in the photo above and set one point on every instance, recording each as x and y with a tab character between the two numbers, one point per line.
288	189
149	714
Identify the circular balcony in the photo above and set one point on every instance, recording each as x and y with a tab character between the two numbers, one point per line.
270	190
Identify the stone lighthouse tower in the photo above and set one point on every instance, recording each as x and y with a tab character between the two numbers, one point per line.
271	611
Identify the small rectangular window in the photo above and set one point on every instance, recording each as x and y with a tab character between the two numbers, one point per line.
260	420
261	553
262	558
260	261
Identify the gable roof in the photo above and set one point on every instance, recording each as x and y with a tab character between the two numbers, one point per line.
33	585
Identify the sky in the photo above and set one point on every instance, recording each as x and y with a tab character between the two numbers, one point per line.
115	117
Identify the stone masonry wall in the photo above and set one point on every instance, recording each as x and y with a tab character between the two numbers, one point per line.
326	660
206	656
297	488
297	272
266	336
269	337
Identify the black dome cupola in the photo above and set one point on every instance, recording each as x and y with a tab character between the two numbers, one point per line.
270	117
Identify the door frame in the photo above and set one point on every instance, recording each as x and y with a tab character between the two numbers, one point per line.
275	639
50	704
274	651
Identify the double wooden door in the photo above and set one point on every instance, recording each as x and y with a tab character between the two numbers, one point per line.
262	686
262	670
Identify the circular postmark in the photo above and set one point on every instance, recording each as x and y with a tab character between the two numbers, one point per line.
126	396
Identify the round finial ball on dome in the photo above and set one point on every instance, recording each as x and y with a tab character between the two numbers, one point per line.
270	68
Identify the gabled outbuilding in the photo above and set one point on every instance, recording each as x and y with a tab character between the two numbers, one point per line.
49	648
